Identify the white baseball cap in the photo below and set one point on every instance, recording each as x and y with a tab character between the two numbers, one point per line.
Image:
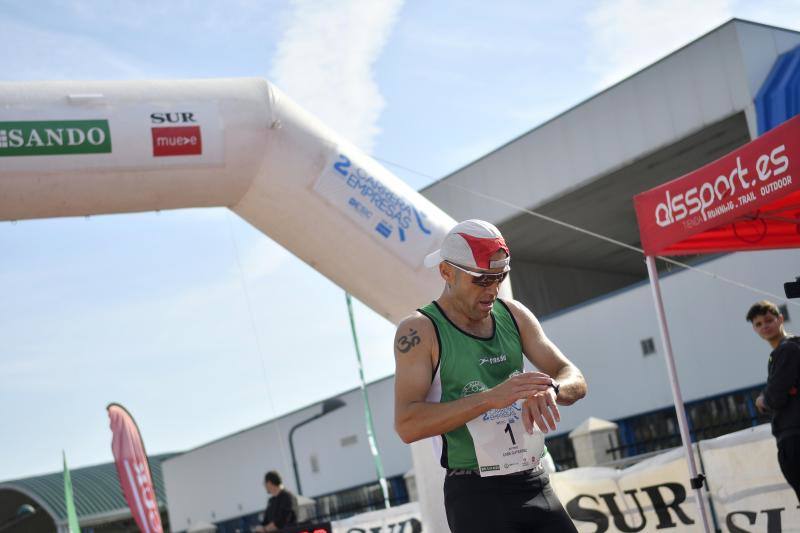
471	244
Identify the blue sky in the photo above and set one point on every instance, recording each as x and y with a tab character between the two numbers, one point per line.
151	310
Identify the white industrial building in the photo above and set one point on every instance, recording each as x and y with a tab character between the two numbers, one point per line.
223	480
582	167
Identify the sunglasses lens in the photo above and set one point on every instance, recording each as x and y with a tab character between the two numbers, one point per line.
488	279
484	280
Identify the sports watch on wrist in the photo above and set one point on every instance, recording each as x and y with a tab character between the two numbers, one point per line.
556	386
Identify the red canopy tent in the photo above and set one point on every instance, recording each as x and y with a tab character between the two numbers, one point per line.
746	200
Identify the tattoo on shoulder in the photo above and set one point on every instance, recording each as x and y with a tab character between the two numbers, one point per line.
407	342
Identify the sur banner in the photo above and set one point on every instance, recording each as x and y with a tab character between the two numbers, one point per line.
745	487
133	470
401	519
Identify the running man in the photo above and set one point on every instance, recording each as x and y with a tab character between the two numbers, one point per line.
459	377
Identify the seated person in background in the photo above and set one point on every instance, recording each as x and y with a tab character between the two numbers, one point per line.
281	508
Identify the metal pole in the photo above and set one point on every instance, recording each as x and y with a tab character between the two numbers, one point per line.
373	443
695	481
291	449
294	462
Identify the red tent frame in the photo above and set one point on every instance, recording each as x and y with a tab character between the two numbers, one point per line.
747	200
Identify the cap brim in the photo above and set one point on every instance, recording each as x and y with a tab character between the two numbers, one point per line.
433	259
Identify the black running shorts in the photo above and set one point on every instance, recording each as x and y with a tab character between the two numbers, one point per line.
516	503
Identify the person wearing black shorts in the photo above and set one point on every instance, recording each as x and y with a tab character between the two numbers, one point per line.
460	379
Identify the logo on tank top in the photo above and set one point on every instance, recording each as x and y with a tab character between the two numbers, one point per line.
473	387
493	359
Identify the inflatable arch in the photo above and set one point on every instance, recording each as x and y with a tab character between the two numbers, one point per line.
88	148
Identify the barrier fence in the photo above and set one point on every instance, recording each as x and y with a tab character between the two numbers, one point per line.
745	488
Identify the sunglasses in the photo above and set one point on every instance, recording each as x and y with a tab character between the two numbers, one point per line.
478	278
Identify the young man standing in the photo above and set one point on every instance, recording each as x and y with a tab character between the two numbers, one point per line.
460	378
282	506
780	395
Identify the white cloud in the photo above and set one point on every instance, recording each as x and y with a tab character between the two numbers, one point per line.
628	35
324	62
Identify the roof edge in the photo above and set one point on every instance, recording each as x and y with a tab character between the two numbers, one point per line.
276	418
150	456
33	496
108	516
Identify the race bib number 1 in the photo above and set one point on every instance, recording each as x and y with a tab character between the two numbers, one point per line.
502	445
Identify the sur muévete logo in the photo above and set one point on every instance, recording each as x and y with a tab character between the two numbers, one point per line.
54	137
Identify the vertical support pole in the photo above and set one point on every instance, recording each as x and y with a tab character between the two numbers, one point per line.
683	423
373	444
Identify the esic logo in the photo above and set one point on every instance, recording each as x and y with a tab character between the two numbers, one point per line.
176	140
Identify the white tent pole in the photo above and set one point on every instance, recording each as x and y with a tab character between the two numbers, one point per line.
683	424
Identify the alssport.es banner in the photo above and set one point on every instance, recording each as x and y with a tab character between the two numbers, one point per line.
735	187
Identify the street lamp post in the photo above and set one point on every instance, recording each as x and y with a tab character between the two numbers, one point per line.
328	406
25	511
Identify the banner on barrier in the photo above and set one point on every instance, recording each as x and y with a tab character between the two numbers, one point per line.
401	519
652	495
746	488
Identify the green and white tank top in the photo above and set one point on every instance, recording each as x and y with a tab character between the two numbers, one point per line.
469	364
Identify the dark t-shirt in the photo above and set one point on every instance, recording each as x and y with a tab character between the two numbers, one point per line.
781	393
281	509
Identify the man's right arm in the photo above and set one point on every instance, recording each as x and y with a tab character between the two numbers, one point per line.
416	350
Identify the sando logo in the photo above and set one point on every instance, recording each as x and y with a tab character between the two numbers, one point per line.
54	137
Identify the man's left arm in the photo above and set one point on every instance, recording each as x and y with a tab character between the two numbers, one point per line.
547	358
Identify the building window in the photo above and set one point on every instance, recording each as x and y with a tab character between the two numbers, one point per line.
708	418
784	309
349	441
648	346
